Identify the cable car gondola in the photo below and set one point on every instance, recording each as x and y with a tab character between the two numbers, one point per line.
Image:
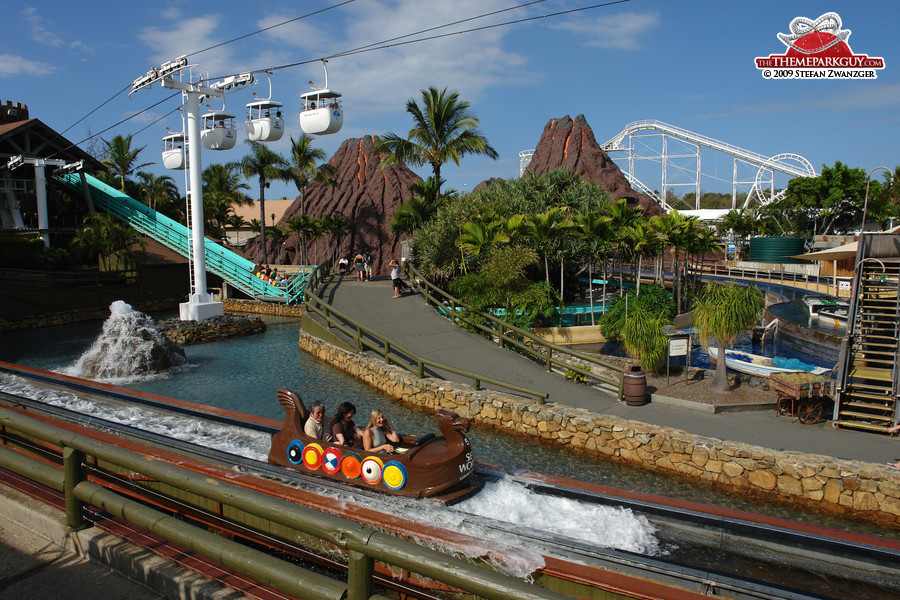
264	122
174	154
321	113
219	132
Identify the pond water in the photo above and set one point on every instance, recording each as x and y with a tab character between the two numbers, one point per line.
243	374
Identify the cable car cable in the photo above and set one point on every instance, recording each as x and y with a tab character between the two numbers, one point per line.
382	45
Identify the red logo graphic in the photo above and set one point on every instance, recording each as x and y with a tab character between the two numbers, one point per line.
818	50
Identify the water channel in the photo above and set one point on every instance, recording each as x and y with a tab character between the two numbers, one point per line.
243	374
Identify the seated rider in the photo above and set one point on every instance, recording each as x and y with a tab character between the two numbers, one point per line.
343	430
378	433
314	427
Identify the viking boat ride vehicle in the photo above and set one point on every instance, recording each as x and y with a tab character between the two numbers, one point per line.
432	466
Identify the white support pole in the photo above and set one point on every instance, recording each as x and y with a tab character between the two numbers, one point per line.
40	191
195	170
201	305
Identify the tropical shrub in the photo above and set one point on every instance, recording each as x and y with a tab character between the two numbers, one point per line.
654	299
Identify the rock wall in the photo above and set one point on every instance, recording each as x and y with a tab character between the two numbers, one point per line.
365	195
852	489
81	315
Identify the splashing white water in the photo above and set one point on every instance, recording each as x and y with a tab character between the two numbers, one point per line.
503	500
129	347
595	524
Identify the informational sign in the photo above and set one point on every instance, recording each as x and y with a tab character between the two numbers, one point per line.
843	285
678	347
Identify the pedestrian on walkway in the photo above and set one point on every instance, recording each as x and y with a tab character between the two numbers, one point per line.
359	263
395	278
367	256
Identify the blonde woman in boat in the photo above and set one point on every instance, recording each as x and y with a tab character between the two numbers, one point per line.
378	434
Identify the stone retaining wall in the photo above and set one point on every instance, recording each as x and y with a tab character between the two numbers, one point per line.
262	308
856	490
100	313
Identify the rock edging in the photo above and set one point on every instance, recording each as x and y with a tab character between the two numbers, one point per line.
853	489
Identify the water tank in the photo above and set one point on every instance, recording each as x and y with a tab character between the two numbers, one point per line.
776	249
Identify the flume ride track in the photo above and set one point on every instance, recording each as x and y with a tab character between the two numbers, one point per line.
789	549
230	266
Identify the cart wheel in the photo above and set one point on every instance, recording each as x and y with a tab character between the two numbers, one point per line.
784	405
810	411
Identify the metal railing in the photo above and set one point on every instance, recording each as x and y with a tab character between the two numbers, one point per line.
507	335
392	352
230	266
362	545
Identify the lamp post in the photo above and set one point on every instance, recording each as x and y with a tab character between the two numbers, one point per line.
273	219
862	228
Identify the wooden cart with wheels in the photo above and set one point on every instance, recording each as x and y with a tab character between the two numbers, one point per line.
801	395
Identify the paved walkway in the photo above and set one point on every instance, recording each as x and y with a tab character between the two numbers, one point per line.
409	322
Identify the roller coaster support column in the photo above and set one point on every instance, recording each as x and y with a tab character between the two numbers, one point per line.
201	305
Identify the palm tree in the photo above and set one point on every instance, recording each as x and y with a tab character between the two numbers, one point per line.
222	190
644	242
422	206
236	221
306	226
121	158
303	170
545	230
594	228
160	193
723	313
338	227
104	236
266	165
443	130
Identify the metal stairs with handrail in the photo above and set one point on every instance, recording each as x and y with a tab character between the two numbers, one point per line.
230	266
868	387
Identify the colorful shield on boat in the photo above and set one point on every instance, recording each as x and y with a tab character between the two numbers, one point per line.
371	469
331	461
394	475
350	466
295	452
312	456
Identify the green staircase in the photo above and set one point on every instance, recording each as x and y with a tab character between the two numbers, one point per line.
868	377
230	266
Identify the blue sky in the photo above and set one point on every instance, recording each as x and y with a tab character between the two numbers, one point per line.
689	63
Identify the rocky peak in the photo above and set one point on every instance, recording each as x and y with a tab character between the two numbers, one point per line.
570	144
365	195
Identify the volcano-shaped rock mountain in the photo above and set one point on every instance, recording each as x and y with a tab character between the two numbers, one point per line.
365	195
570	144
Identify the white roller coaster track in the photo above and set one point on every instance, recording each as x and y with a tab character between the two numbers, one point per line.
790	164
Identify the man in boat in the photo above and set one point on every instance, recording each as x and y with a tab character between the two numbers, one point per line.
314	427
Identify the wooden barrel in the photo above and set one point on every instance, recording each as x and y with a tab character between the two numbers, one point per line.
635	386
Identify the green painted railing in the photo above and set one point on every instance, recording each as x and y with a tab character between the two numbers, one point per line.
81	455
230	266
526	342
392	352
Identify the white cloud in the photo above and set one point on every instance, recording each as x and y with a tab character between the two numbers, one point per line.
384	79
39	33
189	36
622	31
11	65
